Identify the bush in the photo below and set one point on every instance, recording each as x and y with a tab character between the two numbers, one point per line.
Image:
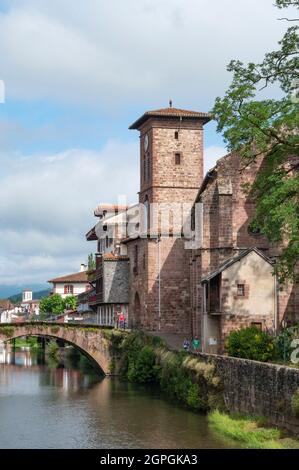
141	367
250	343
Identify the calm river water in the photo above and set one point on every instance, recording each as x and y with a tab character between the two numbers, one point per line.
52	406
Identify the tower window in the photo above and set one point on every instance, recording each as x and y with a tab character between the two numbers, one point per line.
176	135
135	267
241	290
177	158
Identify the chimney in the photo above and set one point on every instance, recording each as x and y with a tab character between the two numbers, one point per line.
83	267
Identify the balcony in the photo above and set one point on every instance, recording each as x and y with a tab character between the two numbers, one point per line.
96	299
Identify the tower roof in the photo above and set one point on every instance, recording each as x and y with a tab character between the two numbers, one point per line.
171	113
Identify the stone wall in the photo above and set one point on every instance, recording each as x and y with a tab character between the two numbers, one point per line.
116	284
258	389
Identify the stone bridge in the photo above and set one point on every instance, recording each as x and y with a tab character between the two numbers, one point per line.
89	339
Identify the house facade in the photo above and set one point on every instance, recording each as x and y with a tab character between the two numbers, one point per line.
71	284
109	297
8	311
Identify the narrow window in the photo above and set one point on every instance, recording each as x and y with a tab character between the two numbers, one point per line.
144	169
176	135
148	168
177	158
144	262
241	290
135	269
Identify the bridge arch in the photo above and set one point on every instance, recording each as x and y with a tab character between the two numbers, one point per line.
89	341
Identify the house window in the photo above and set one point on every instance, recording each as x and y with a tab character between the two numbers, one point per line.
69	289
240	290
176	135
177	158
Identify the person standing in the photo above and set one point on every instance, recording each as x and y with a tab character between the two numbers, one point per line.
196	344
186	345
122	321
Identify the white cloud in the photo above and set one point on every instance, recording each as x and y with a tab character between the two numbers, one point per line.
115	53
47	202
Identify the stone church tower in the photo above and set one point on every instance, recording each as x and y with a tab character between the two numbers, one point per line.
171	171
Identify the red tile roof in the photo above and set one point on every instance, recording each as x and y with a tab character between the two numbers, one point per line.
5	304
109	208
171	113
113	257
71	278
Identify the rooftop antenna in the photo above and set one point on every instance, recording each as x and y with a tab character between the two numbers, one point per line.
170	103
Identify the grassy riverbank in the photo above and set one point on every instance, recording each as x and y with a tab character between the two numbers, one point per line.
250	432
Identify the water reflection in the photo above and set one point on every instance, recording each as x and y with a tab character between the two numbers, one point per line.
66	405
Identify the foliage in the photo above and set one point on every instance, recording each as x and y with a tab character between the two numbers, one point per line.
181	377
52	349
56	305
91	263
55	329
255	126
250	343
246	430
295	403
29	341
7	330
283	341
53	305
70	302
142	368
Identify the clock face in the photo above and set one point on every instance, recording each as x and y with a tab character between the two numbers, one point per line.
146	142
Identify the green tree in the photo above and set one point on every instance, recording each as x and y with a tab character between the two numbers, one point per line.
52	305
70	302
254	125
91	263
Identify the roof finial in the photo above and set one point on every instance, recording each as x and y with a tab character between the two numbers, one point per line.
170	103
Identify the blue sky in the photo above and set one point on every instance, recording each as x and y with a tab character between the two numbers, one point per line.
77	74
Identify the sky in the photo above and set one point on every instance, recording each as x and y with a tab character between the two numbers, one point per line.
76	75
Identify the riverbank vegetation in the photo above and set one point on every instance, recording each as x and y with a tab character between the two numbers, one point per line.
27	342
250	432
252	343
181	377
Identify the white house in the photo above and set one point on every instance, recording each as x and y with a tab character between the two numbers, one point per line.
8	311
71	284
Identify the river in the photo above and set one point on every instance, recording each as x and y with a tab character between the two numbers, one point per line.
53	406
